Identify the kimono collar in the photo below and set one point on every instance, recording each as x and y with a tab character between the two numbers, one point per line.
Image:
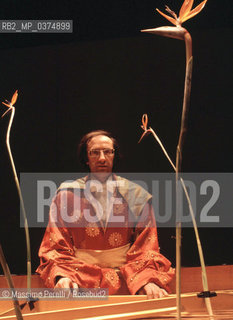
134	195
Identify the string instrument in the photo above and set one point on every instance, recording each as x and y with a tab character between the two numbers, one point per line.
220	280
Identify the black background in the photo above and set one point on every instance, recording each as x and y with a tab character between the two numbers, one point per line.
106	74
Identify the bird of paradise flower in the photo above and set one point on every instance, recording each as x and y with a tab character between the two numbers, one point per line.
10	106
185	12
178	32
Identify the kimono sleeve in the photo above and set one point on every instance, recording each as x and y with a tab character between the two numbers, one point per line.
56	251
145	263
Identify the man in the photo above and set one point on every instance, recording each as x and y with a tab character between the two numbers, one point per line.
111	241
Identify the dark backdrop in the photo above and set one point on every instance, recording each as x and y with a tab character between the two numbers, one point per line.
106	75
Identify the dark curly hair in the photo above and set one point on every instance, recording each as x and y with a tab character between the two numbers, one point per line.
82	147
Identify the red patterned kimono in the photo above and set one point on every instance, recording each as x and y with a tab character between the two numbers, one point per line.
121	255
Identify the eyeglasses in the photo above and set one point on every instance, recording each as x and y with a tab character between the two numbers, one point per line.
95	153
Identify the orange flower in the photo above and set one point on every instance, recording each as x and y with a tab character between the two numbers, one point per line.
144	126
10	104
185	12
13	100
144	122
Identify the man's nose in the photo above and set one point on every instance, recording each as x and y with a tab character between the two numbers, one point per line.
102	155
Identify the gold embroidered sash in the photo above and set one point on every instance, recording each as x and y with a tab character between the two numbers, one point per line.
109	258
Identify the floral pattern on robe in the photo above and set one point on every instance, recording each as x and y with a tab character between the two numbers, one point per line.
143	263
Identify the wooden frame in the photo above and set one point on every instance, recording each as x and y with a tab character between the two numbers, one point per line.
134	307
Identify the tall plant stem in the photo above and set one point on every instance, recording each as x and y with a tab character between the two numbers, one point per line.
199	246
21	200
181	34
179	150
10	284
178	32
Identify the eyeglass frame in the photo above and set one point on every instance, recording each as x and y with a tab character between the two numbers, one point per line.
99	152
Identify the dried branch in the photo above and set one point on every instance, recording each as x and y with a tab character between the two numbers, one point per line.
10	106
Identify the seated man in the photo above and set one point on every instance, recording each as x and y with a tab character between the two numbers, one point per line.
108	238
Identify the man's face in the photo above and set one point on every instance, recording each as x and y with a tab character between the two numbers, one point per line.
100	158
